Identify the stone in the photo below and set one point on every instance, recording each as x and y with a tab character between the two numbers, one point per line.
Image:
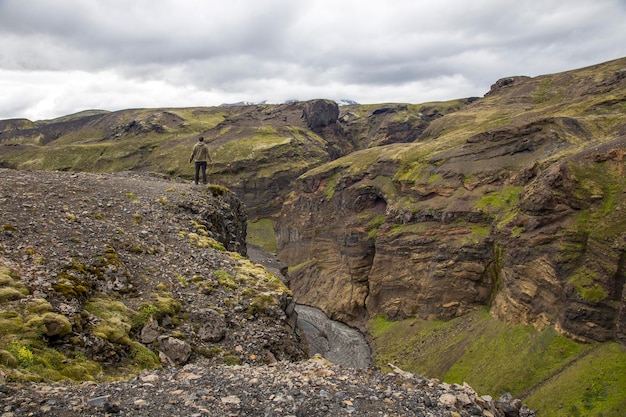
447	399
213	327
98	402
320	113
176	350
149	378
230	399
111	408
463	399
150	331
140	402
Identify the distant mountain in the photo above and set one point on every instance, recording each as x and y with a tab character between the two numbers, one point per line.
243	103
340	102
345	102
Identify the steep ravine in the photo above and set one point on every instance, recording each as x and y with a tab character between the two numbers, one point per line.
333	340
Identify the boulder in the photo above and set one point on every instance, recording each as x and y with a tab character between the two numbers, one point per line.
173	350
213	327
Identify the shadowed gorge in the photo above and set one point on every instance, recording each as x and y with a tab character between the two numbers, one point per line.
478	240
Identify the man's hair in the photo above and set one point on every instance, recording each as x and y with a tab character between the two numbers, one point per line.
201	139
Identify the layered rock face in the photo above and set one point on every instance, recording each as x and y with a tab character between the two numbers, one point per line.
525	218
567	266
539	253
356	256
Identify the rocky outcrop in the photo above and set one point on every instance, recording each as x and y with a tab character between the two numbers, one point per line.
355	257
385	124
574	213
551	260
112	274
320	113
504	83
224	215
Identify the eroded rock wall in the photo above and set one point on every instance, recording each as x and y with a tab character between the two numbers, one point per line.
541	244
350	258
567	266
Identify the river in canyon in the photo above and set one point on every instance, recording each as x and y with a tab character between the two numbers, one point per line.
333	340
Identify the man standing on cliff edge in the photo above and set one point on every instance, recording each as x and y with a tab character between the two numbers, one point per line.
200	154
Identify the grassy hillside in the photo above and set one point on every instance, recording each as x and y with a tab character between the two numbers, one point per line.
550	372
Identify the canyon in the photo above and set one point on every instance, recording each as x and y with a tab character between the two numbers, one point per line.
511	204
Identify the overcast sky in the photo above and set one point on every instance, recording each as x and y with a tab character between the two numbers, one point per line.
59	57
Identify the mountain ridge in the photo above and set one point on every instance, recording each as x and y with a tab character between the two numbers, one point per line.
512	202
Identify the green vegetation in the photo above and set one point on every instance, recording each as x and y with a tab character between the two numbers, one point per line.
164	304
409	229
225	279
373	224
231	359
142	357
480	230
33	361
115	319
201	238
260	303
584	281
216	190
145	313
261	233
594	385
494	358
353	163
597	229
294	268
248	148
25	327
496	202
603	184
329	186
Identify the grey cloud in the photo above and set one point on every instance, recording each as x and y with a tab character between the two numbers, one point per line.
244	48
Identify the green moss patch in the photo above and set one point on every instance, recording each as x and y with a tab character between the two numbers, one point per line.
11	288
374	224
164	304
496	202
145	313
142	357
50	324
115	319
585	282
204	241
26	328
250	147
603	185
33	361
10	294
225	279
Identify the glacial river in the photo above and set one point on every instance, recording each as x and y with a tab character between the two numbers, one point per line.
335	341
